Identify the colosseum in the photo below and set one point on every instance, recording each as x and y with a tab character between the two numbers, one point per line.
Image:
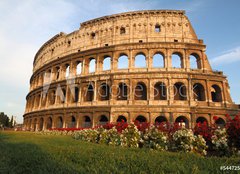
143	65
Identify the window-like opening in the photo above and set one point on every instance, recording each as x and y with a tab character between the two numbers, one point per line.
158	61
122	30
141	119
140	91
180	91
72	122
123	62
140	41
41	124
198	92
67	70
107	63
195	62
63	96
76	94
157	28
49	123
57	73
160	119
92	65
90	93
216	93
122	92
103	120
177	61
160	91
93	35
79	68
87	122
201	120
52	97
140	61
220	122
59	122
182	121
104	92
121	118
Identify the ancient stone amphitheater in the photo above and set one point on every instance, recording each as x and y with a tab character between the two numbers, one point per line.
142	65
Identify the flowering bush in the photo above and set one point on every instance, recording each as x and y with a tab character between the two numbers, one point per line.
185	140
110	137
155	139
220	142
90	135
130	136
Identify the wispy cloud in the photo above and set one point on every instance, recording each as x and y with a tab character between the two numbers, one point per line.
228	57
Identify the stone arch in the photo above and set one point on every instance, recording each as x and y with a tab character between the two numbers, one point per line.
183	121
140	60
141	118
59	123
35	123
72	122
87	122
92	65
198	92
89	93
63	95
41	122
122	91
49	123
158	60
140	92
51	97
177	60
195	62
37	102
122	30
160	91
220	122
104	92
67	70
216	93
121	118
180	91
103	119
201	120
106	63
160	119
157	28
78	67
123	61
75	94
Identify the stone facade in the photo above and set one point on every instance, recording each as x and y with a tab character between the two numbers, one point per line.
92	76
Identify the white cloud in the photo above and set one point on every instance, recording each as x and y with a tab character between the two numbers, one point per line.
227	57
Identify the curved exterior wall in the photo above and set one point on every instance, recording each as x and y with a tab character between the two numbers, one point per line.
62	95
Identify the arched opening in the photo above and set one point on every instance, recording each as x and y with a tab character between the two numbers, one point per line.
140	91
59	122
216	93
122	30
160	119
198	92
104	92
180	91
141	119
220	122
177	61
37	101
76	94
30	124
158	61
157	28
49	123
79	68
182	121
92	65
103	120
90	93
41	124
122	92
63	96
35	125
47	76
123	62
160	91
67	70
140	61
73	122
57	73
195	61
52	96
106	63
201	120
121	118
86	122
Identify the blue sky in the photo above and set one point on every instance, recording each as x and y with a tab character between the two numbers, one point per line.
25	25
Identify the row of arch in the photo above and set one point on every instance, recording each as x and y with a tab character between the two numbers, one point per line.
103	119
104	92
91	65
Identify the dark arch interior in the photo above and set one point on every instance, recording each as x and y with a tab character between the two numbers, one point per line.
198	92
201	120
180	92
216	93
160	91
90	93
59	122
121	118
49	123
182	119
160	119
122	92
140	92
141	119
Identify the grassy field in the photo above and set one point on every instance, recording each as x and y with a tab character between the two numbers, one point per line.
25	152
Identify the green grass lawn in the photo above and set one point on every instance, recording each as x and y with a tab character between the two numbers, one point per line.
26	152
